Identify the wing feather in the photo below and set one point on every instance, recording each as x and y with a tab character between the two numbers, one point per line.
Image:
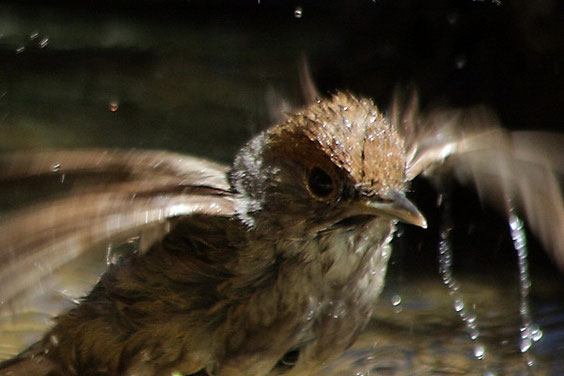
521	167
134	163
152	187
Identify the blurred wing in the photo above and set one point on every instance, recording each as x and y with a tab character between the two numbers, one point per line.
521	167
136	193
107	163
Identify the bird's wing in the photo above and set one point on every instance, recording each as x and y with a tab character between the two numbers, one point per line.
507	168
108	196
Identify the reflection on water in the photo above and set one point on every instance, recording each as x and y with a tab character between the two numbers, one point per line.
426	336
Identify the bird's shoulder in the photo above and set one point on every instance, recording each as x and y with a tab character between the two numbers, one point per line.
190	262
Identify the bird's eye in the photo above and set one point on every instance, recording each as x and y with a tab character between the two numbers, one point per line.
320	183
288	360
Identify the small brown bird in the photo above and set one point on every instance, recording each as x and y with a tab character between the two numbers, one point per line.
271	267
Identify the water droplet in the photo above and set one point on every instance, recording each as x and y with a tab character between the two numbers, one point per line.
471	318
514	221
479	351
460	61
310	315
56	167
458	305
400	231
347	122
133	240
19	50
536	334
452	18
396	300
33	35
445	269
529	331
337	309
298	12
525	344
113	105
109	258
54	340
43	42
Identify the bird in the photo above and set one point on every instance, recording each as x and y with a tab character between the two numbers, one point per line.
270	266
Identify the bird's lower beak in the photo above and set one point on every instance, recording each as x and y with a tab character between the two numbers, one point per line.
393	204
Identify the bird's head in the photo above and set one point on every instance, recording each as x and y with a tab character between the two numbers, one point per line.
338	162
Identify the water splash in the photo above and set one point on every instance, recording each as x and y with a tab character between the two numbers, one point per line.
467	315
530	332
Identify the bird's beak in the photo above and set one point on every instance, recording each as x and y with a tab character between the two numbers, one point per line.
393	204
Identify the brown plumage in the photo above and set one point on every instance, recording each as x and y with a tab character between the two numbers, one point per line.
271	267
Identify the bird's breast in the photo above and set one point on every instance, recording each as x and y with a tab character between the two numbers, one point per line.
357	256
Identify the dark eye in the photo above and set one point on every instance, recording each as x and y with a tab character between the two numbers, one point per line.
288	360
320	183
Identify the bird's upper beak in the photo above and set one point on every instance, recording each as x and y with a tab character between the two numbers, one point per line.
394	204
